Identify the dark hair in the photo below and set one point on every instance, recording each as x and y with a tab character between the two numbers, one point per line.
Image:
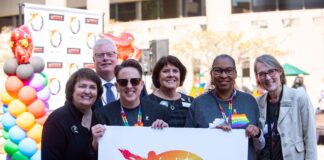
223	56
83	73
129	63
163	61
298	82
270	61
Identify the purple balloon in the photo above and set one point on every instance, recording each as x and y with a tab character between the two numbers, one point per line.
44	94
37	81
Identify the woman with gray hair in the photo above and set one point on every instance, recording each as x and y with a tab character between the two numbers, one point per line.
286	114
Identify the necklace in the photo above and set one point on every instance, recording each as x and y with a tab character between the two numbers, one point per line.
139	117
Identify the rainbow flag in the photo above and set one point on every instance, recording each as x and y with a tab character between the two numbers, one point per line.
239	120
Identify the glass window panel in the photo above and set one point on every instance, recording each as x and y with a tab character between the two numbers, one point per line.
169	9
263	5
290	4
113	11
149	10
314	3
126	11
241	6
193	7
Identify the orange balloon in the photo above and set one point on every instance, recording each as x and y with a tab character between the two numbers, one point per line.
6	98
27	95
16	107
39	146
13	85
25	121
37	108
42	120
35	133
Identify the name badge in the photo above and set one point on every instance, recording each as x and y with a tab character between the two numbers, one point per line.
186	104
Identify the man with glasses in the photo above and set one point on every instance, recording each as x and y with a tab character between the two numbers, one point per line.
130	109
105	61
224	103
105	58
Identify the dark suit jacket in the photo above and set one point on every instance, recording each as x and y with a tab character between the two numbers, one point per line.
110	114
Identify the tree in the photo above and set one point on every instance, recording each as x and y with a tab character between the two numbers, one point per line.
206	45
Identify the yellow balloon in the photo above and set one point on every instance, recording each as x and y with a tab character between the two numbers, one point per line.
35	133
5	97
25	121
39	146
16	107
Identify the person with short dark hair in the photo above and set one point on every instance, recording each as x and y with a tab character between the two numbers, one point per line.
287	115
167	76
220	107
66	133
130	109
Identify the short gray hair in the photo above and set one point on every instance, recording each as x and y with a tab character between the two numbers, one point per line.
104	41
270	61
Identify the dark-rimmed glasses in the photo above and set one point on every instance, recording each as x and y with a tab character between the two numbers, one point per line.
108	54
270	72
134	82
228	71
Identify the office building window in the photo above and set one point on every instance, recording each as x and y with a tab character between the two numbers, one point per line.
150	10
263	5
168	8
241	6
314	4
193	8
123	11
290	4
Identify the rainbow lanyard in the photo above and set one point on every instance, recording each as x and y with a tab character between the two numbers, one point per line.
228	119
139	117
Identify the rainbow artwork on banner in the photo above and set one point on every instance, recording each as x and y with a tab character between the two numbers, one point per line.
173	154
239	120
24	99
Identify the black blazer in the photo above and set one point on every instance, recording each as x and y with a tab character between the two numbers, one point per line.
151	111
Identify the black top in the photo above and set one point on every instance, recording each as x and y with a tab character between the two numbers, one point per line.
110	114
272	149
64	138
177	109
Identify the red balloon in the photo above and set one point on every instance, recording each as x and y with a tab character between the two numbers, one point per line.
22	44
124	43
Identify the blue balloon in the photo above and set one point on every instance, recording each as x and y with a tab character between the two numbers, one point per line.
8	121
27	147
36	156
16	134
8	157
4	108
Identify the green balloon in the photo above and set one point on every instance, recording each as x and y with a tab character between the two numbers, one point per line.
10	147
45	79
19	156
5	134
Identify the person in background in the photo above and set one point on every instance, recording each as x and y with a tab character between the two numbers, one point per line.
167	76
105	61
287	115
224	103
299	83
105	58
130	109
66	134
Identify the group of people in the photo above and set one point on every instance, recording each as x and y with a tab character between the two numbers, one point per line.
280	123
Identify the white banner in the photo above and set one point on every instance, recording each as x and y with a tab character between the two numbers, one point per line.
64	38
139	143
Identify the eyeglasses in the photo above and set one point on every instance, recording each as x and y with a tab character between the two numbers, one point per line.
133	81
228	71
270	72
108	54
